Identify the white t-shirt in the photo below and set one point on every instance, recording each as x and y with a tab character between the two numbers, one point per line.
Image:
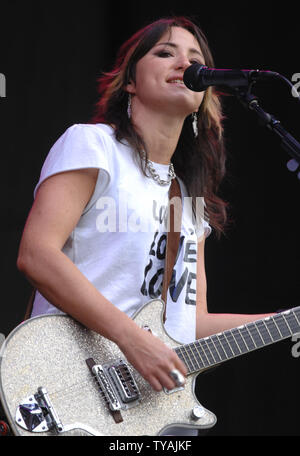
119	242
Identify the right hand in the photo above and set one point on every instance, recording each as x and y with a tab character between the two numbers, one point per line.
153	359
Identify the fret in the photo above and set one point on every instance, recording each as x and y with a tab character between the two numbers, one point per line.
260	332
254	331
209	350
284	329
235	344
287	323
268	330
247	339
231	343
273	328
292	321
295	315
264	332
205	351
215	349
239	340
195	355
185	359
225	345
209	355
220	347
248	331
179	354
199	354
221	352
190	355
278	329
226	335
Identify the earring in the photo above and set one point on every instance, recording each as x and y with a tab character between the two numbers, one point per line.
129	106
195	124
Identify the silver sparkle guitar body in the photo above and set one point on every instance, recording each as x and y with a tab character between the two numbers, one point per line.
51	352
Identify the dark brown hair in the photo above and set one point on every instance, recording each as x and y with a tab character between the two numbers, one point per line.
199	162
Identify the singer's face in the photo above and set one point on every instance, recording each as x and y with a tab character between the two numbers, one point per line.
159	75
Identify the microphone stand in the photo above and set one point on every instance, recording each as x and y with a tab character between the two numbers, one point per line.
288	142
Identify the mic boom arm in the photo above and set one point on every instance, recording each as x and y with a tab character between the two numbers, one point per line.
288	142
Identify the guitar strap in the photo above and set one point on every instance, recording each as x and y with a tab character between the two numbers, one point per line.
29	305
173	238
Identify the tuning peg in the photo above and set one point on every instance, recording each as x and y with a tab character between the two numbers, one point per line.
292	165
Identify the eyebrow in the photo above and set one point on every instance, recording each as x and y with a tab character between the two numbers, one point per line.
173	45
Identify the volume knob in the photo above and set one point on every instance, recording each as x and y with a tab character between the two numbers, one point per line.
197	412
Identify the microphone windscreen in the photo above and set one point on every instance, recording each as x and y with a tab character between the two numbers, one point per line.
191	77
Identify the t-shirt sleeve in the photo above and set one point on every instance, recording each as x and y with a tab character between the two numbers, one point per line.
203	227
81	146
207	228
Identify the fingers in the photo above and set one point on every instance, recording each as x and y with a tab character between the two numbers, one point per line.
155	361
166	380
161	380
181	366
170	375
177	377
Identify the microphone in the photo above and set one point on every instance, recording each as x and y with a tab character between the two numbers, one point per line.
198	77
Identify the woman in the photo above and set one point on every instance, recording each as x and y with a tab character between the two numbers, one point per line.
94	242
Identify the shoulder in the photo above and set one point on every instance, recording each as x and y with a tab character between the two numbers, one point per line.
81	146
87	131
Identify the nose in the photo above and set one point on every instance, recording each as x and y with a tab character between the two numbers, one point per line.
182	62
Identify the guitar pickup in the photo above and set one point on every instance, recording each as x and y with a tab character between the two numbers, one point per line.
124	382
116	383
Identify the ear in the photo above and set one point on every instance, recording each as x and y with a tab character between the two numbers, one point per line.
130	88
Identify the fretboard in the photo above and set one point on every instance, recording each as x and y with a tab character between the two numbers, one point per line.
213	350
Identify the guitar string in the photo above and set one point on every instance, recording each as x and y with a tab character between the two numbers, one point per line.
260	329
67	390
282	322
189	349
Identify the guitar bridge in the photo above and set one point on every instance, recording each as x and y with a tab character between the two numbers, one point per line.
116	383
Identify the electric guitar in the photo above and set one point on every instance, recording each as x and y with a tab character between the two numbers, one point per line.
59	378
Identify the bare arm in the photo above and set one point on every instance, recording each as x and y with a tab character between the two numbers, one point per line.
210	323
57	208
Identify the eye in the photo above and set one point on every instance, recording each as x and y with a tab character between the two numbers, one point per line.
196	61
164	54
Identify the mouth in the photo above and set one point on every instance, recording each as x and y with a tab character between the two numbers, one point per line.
176	81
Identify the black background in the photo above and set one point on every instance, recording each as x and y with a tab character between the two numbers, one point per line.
51	56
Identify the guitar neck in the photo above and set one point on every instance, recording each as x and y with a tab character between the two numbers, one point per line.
215	349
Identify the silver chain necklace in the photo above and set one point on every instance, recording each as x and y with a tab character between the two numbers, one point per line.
155	176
